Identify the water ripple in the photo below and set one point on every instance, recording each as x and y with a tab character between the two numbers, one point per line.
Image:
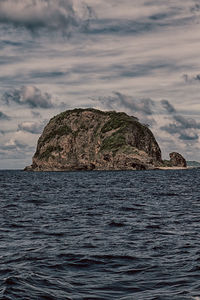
100	235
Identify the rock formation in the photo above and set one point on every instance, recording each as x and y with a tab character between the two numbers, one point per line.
177	160
90	139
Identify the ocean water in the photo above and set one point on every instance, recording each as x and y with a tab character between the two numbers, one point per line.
100	235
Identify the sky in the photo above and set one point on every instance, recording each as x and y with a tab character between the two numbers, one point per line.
137	56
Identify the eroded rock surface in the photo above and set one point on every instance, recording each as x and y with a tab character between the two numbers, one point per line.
90	139
177	160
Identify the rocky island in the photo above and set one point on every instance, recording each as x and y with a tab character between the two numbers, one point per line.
90	139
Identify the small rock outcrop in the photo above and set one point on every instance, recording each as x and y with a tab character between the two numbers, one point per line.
90	139
177	160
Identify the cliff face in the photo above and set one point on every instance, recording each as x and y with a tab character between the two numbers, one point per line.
87	139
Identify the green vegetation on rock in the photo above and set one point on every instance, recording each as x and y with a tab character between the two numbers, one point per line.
65	114
59	131
48	152
166	163
63	130
113	142
116	121
77	111
128	149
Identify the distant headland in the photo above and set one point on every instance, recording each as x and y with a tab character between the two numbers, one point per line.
91	139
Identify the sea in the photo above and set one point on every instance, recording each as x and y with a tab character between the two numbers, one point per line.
125	235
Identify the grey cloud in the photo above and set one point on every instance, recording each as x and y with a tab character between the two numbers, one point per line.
183	134
36	114
116	26
197	77
168	106
159	16
9	155
31	127
15	149
52	74
191	78
4	116
180	121
139	70
15	145
143	105
48	14
167	17
115	70
171	128
5	60
195	8
189	137
141	109
185	77
186	123
29	96
5	43
135	105
134	70
186	128
4	132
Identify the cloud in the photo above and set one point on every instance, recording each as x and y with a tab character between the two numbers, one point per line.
31	127
183	134
189	136
169	108
197	77
34	15
171	128
140	50
15	151
142	17
186	128
185	77
195	8
191	78
4	116
142	109
181	123
4	132
36	114
29	96
187	122
142	105
14	144
123	101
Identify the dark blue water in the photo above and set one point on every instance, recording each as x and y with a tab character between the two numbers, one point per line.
100	235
